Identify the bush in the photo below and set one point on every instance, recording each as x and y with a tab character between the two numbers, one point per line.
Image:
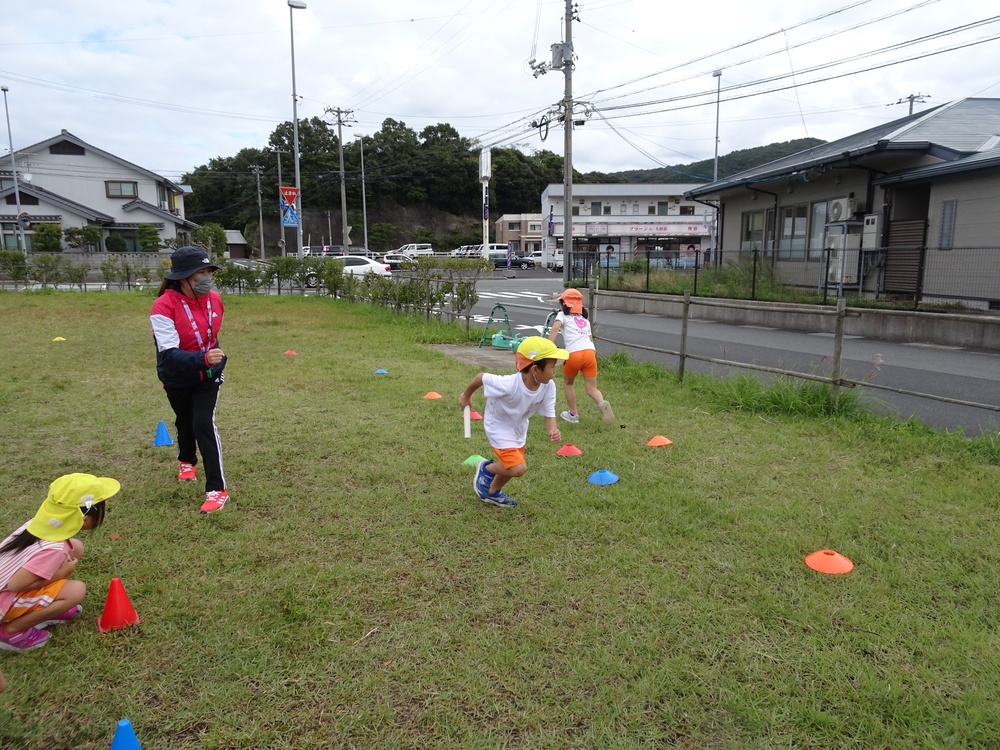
13	266
47	268
47	238
115	243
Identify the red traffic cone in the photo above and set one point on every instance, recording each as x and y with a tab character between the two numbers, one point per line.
118	610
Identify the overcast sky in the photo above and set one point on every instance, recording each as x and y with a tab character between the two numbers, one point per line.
169	84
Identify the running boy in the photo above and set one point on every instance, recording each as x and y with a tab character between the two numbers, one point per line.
510	401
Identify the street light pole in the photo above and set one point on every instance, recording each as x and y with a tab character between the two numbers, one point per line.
715	169
279	152
364	198
292	6
13	169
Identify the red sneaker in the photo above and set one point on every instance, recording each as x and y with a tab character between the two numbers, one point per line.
214	500
186	473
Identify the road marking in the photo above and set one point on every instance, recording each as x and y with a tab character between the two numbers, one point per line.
933	346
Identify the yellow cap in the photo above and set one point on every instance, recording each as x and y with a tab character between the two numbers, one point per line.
59	517
535	348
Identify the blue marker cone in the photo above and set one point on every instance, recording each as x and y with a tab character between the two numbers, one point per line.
125	738
603	477
380	371
162	436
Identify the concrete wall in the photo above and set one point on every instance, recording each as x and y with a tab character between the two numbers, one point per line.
944	329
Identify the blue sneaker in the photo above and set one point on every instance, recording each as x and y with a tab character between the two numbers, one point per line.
482	479
500	499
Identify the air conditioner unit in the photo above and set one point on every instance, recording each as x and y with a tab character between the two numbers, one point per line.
675	199
842	209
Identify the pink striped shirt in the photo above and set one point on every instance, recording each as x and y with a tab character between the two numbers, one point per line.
41	558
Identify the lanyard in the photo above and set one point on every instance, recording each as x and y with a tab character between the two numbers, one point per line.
194	326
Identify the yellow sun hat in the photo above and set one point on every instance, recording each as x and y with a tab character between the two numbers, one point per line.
59	517
535	348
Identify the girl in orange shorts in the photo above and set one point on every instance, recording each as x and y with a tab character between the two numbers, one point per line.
37	560
578	339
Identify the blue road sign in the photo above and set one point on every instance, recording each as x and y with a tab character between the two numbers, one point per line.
290	218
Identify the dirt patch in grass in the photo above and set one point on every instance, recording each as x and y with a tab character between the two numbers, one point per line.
489	358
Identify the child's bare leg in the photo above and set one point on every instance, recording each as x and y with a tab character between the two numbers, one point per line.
591	385
571	393
72	593
502	475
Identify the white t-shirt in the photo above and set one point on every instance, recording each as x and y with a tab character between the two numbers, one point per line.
509	404
575	331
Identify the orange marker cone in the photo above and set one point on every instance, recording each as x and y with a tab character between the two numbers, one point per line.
659	440
118	610
828	561
569	450
290	352
433	394
475	415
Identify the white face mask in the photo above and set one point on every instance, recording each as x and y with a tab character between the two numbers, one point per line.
203	284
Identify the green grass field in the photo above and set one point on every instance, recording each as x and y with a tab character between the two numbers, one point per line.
356	594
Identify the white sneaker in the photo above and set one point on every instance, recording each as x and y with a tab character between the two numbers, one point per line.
570	416
606	414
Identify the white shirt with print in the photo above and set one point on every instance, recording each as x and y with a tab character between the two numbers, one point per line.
575	331
509	404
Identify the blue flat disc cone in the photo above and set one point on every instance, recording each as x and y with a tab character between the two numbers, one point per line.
380	371
603	477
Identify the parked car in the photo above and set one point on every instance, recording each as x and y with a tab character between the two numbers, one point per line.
555	261
399	257
354	265
499	260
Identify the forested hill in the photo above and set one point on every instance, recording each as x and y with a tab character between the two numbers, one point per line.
729	164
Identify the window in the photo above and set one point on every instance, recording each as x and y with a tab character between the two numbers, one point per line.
817	229
576	211
792	232
65	148
635	208
121	189
513	226
26	200
752	231
687	211
948	224
534	227
595	208
661	208
607	210
652	210
624	209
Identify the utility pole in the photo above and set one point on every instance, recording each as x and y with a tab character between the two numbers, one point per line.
918	98
567	107
257	169
279	152
13	168
341	115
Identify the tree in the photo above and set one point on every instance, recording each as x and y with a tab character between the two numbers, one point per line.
149	238
83	238
47	238
115	243
383	234
212	237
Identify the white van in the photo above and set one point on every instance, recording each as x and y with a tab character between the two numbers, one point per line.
555	262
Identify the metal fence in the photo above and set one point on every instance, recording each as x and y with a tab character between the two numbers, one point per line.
835	378
905	276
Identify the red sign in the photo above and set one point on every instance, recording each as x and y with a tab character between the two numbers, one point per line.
289	193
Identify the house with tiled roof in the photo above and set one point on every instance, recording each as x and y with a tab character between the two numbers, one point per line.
66	181
910	207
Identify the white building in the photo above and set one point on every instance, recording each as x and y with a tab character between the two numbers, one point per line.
630	220
66	181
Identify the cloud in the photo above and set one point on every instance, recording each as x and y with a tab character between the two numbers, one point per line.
170	85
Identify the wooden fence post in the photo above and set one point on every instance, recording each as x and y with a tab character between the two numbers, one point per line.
684	334
838	350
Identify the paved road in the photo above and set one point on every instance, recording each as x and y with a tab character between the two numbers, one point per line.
952	372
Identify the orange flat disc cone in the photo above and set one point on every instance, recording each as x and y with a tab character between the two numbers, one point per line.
433	394
828	561
475	415
659	440
290	353
569	450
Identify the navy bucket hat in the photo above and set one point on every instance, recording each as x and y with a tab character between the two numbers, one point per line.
186	261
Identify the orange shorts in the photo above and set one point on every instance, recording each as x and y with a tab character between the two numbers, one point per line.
584	361
510	456
29	601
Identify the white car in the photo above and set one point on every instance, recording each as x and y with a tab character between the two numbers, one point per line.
354	265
